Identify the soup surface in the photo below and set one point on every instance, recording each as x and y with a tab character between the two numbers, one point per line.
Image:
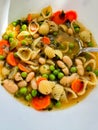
39	61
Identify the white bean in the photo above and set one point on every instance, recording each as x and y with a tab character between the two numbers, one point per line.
78	62
22	83
68	79
10	86
66	71
33	84
18	76
30	76
42	60
67	60
80	70
61	64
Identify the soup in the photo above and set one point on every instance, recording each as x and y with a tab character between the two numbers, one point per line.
39	61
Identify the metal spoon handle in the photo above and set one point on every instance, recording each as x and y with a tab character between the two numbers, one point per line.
90	49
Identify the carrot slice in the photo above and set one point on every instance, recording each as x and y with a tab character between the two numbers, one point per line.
3	45
40	103
23	68
29	17
11	59
71	15
40	79
46	40
59	17
77	85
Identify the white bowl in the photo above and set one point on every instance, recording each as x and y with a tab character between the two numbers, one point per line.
14	115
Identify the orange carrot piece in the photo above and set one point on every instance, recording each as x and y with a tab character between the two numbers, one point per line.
29	17
71	15
40	79
23	68
77	85
46	40
3	45
59	17
11	59
40	103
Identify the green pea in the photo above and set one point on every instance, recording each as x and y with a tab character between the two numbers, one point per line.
71	45
14	23
76	26
23	91
89	68
5	36
90	44
24	27
24	74
55	33
11	35
28	97
23	42
55	72
34	93
58	104
73	69
52	77
77	29
13	44
62	47
11	40
52	68
60	75
2	57
96	72
45	76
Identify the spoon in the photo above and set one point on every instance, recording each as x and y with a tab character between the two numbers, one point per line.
88	49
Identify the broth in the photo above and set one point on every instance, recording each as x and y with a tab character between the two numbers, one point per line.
50	76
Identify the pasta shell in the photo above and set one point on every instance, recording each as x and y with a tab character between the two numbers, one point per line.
22	35
49	52
44	69
84	88
63	97
52	26
34	54
35	42
46	12
57	91
63	27
92	63
33	27
91	78
59	54
24	53
75	22
44	28
73	94
34	68
50	62
45	87
85	36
